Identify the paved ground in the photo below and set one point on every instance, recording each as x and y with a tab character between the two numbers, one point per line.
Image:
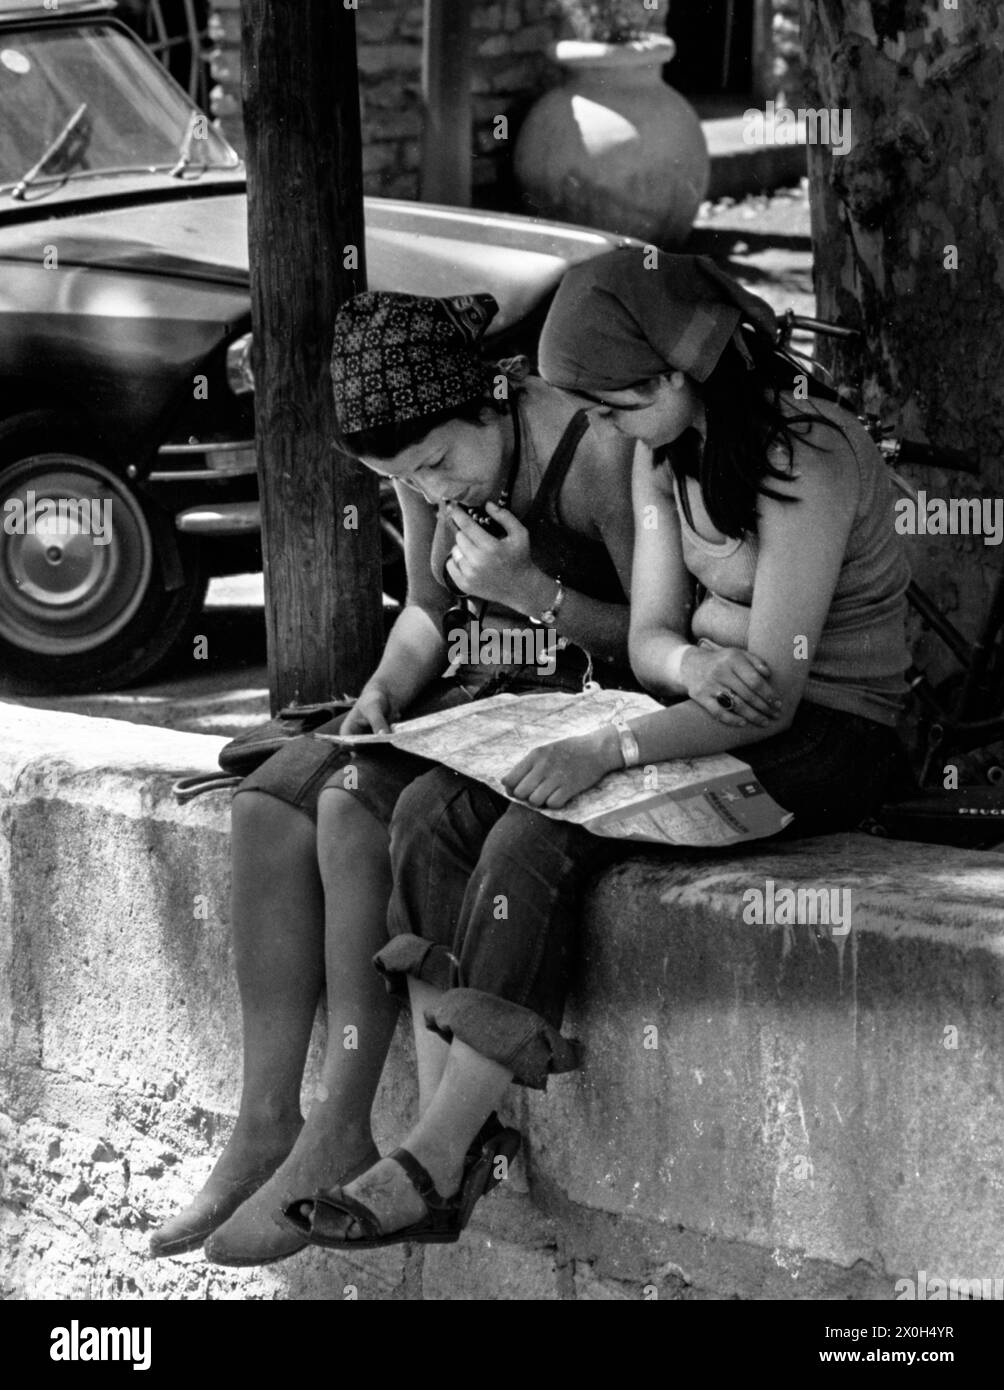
223	694
763	240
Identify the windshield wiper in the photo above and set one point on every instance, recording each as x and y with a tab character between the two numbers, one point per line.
185	160
52	149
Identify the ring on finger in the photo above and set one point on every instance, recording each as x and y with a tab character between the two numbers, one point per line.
455	555
724	698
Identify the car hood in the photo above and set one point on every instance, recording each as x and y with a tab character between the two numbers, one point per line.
198	238
421	248
418	248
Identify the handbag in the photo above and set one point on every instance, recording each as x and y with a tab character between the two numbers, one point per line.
250	749
968	817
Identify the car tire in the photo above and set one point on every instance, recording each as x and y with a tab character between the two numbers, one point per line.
94	597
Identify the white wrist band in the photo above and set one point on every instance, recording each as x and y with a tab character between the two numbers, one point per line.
674	665
630	751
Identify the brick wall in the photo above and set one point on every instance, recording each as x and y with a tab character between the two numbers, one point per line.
789	65
511	69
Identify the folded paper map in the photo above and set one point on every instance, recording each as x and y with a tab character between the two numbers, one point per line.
688	801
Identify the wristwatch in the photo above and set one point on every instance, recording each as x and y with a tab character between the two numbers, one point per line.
550	615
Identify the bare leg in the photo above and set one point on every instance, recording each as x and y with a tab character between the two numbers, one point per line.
336	1140
430	1049
472	1087
278	932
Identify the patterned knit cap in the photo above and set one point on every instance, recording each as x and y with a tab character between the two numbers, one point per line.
399	357
615	321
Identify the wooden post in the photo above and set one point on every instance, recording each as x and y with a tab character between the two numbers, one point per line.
446	93
320	528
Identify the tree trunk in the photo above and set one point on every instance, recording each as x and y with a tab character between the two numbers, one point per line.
921	192
320	528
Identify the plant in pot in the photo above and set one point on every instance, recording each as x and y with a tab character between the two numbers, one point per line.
610	21
614	146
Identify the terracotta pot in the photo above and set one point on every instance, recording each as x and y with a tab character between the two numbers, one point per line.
614	147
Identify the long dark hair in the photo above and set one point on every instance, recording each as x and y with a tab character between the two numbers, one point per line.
744	420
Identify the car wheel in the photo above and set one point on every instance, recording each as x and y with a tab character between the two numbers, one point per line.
83	599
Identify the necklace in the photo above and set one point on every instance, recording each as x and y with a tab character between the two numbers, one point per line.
478	514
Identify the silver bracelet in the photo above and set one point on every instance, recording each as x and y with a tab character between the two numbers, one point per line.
550	615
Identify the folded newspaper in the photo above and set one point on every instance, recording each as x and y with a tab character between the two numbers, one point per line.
688	801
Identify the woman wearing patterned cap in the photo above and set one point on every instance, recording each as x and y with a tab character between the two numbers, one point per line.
311	869
767	605
765	545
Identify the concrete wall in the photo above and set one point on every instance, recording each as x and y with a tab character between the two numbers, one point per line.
765	1111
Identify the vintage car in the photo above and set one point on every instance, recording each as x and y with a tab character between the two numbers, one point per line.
123	281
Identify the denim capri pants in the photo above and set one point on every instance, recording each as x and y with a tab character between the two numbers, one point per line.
487	892
300	771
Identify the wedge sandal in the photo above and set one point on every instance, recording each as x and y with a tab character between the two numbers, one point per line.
445	1217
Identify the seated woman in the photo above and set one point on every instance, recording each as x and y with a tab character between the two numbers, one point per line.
311	866
767	604
765	531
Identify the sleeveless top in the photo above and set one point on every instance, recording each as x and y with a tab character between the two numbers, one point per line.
580	562
861	656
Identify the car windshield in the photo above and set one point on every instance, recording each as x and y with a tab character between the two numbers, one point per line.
134	117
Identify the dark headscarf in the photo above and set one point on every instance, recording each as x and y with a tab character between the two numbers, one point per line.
615	321
399	357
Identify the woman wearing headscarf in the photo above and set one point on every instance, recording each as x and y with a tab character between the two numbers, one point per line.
767	610
311	869
765	544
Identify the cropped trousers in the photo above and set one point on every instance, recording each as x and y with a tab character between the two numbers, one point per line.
487	894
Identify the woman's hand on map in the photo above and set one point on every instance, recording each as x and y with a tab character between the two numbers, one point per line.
373	712
554	773
498	569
